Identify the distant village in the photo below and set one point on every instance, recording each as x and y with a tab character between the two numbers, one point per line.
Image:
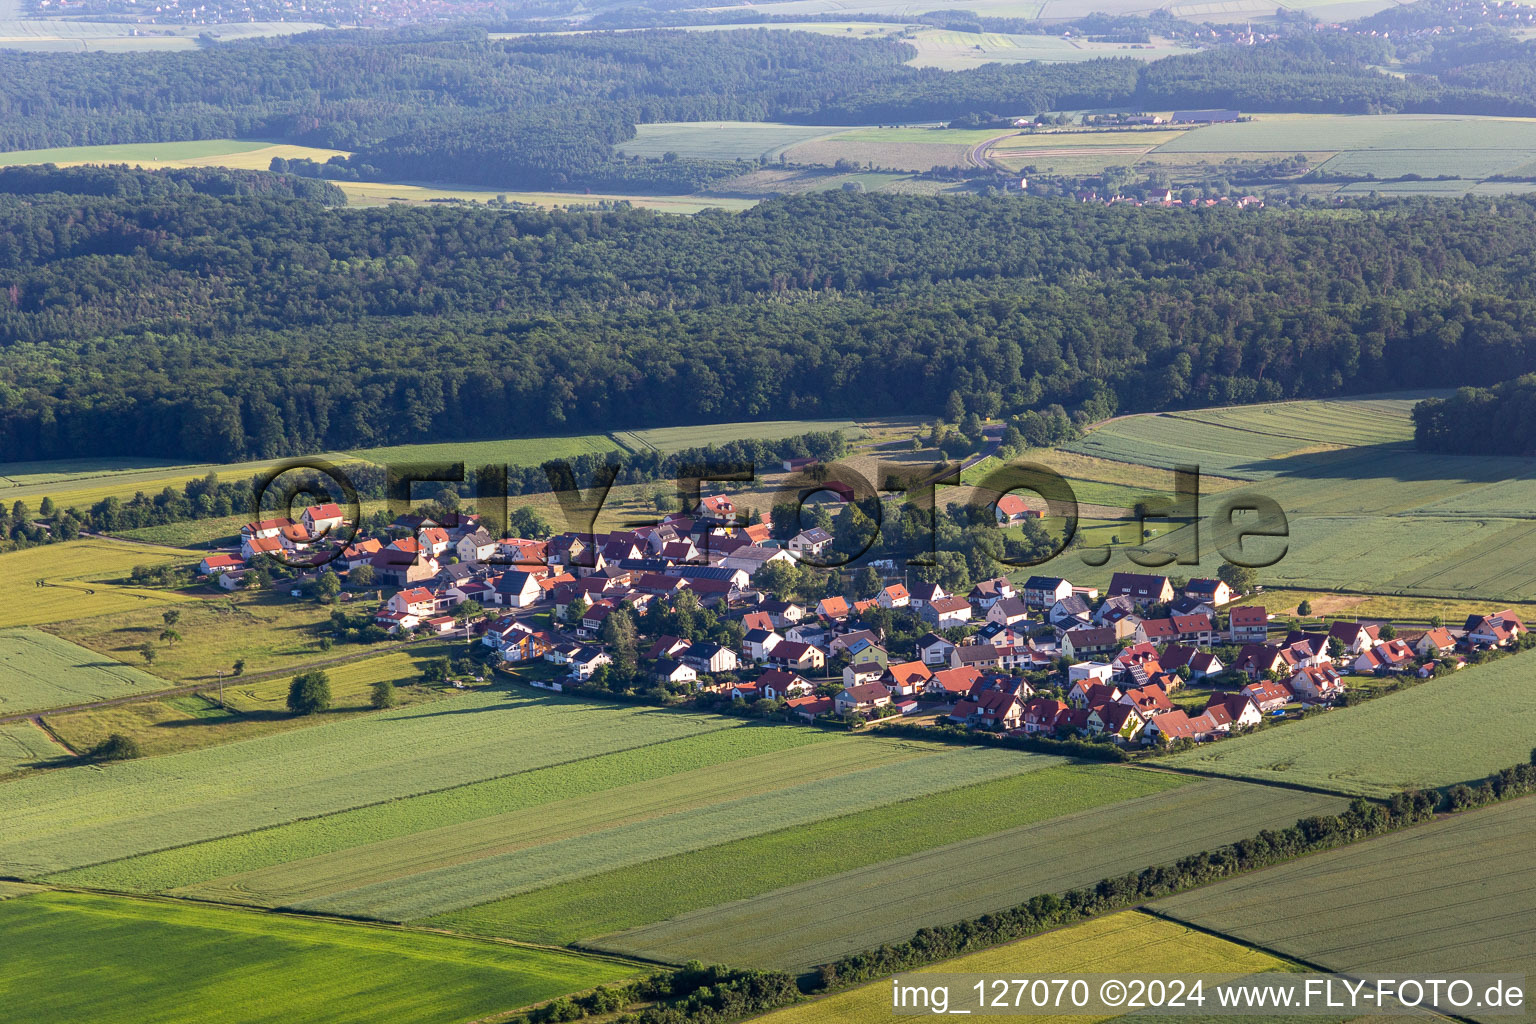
1149	662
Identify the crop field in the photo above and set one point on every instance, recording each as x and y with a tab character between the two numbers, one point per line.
957	51
676	439
247	968
204	153
1291	133
516	451
24	745
938	151
20	474
720	140
91	482
1451	896
466	866
66	34
634	896
39	671
78	579
267	630
376	193
1117	943
78	816
812	922
1416	738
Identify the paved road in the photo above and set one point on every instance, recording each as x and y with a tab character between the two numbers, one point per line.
978	154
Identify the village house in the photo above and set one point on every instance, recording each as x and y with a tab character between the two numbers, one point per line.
1268	695
1070	611
474	548
716	508
952	683
212	565
1043	591
758	644
1316	684
988	592
1494	630
1356	637
1257	661
990	709
752	557
1085	693
810	543
519	589
1090	670
709	658
1142	588
1178	725
1248	624
832	609
1242	710
934	649
977	656
1012	510
778	684
415	601
1085	641
948	612
675	673
782	613
906	678
800	657
1040	715
857	675
1207	591
1433	642
862	699
586	660
1123	721
1387	656
1200	663
894	596
1008	612
1149	700
811	708
923	594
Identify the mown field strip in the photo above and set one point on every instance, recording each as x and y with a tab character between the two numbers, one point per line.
318	877
1452	896
815	922
523	792
78	816
1440	732
452	888
76	956
647	893
1124	943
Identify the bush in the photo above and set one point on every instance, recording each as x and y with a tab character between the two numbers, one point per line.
115	747
383	695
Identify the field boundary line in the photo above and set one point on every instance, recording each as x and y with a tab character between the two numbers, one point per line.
1273	783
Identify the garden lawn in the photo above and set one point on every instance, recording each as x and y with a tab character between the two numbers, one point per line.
814	922
65	819
656	890
75	956
39	671
1453	729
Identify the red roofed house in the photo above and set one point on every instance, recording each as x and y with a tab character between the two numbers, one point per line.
862	698
1494	630
319	519
1356	637
1240	707
1011	510
990	709
219	563
1040	715
1248	624
906	678
415	601
811	707
718	508
1389	656
1268	695
952	682
778	684
1316	684
1122	720
1149	700
894	596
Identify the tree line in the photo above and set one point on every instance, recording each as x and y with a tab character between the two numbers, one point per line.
1500	420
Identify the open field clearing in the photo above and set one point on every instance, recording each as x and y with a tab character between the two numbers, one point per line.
899	156
190	533
1452	896
77	576
500	874
91	949
203	153
1431	735
1081	152
957	51
720	140
814	922
85	486
676	439
1125	942
516	451
68	35
21	474
78	816
24	745
193	721
39	671
1291	133
634	896
375	193
265	629
315	837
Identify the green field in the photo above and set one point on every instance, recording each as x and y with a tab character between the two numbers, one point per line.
635	896
1293	133
720	140
468	865
39	671
1117	944
676	439
1452	896
76	956
79	579
24	744
517	451
1448	730
957	51
78	816
812	922
203	153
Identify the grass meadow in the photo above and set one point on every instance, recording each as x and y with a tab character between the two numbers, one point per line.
676	439
634	896
24	745
517	451
1453	729
1451	896
39	671
78	956
720	140
80	578
70	818
813	922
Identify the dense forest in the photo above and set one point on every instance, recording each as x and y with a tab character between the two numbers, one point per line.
218	328
1500	420
545	110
